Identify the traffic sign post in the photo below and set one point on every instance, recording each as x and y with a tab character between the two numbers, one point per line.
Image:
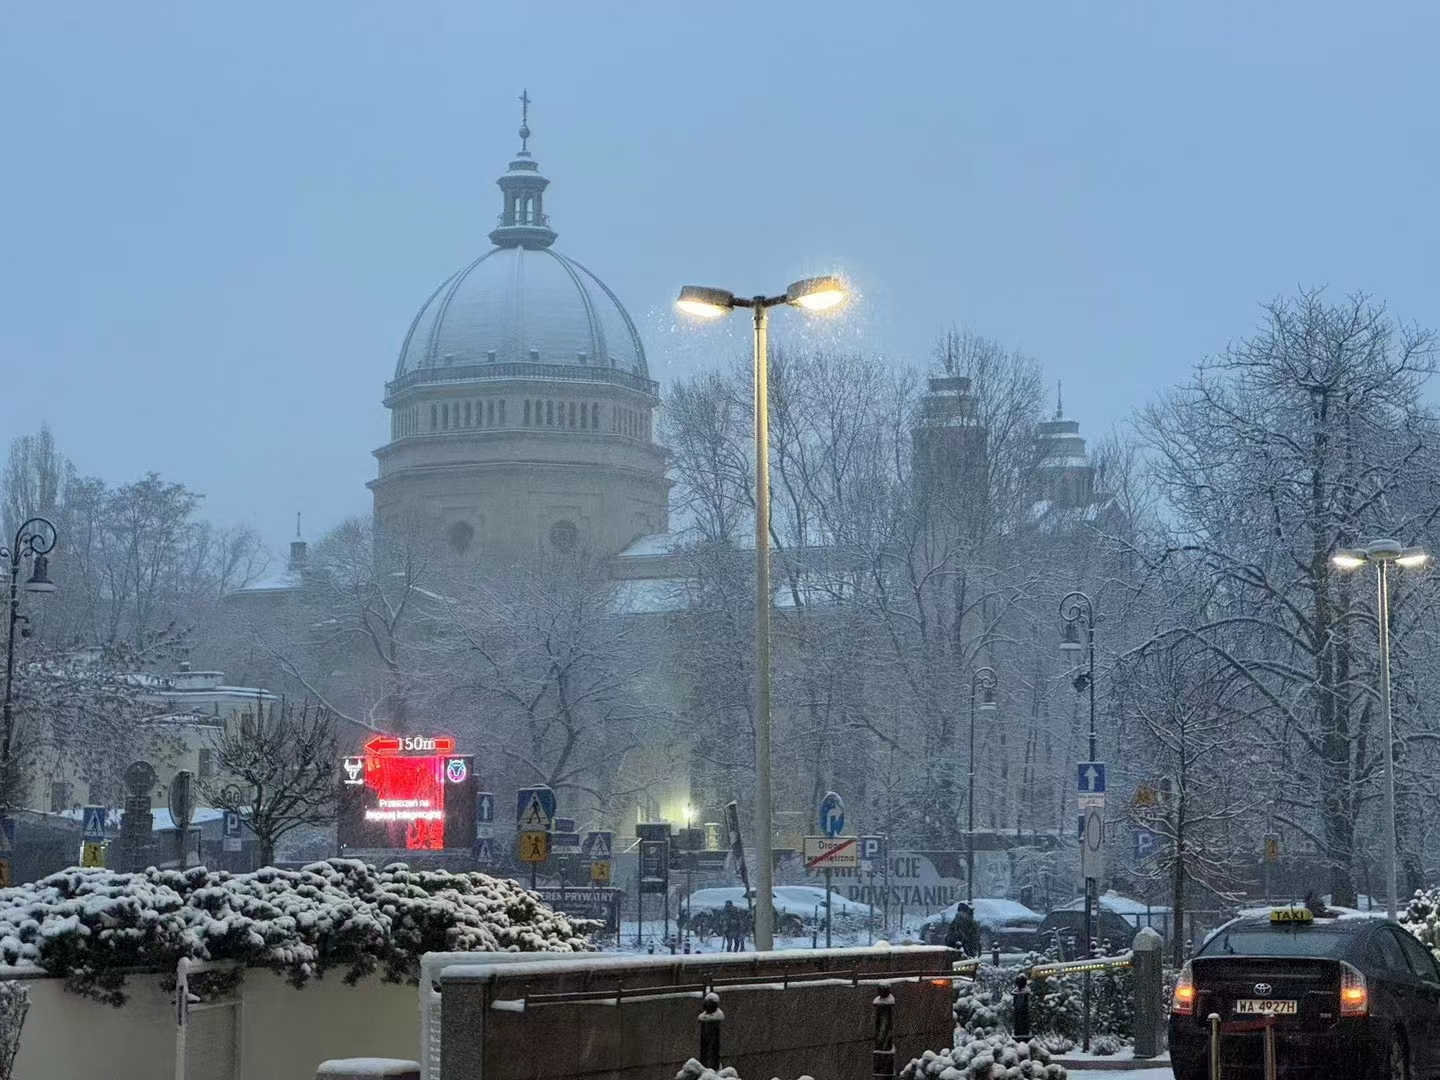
534	818
598	848
1090	785
484	814
92	855
7	848
485	850
92	824
231	831
1146	844
827	852
832	814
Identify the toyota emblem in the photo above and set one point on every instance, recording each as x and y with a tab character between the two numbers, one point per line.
1262	989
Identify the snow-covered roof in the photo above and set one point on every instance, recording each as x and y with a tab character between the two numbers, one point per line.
989	911
1120	905
284	581
652	544
163	822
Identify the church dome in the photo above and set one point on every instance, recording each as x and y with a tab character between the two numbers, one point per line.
523	304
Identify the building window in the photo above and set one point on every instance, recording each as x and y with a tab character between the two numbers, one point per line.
207	763
467	414
527	412
572	414
433	414
60	796
502	412
595	416
564	536
549	414
490	414
460	535
445	415
584	416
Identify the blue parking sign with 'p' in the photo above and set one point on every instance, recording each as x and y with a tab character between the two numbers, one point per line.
872	848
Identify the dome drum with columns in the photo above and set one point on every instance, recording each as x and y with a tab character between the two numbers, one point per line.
522	411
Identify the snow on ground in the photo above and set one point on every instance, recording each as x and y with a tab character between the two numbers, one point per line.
1122	1074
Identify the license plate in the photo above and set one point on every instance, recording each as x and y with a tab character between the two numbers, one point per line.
1262	1006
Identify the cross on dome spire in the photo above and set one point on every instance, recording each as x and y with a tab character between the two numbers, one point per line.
523	222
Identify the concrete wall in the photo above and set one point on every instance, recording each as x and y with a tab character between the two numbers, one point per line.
769	1029
284	1032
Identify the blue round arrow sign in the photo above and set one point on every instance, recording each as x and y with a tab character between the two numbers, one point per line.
832	814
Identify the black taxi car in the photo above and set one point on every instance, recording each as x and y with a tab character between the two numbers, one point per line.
1353	997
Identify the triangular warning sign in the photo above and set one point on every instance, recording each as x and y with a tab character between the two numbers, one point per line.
600	849
534	816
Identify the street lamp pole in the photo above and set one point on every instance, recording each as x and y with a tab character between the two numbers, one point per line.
1075	605
984	678
812	294
33	540
1382	553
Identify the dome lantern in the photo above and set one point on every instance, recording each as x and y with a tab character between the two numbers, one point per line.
523	222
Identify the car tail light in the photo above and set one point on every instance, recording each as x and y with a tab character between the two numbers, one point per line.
1182	1001
1354	994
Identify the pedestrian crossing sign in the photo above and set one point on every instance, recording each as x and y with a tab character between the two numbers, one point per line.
92	854
600	872
534	846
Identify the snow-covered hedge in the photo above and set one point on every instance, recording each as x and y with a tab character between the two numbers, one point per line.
1422	918
989	1057
93	926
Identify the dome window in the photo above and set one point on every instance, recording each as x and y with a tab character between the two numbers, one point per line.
460	535
534	356
564	536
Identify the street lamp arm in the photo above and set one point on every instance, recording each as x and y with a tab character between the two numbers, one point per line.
1074	605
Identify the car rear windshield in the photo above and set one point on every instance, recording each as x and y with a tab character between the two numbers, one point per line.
1291	941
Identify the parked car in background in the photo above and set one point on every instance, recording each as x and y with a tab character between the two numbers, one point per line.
1007	922
1066	931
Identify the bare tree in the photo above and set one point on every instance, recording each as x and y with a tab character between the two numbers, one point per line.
1306	437
275	767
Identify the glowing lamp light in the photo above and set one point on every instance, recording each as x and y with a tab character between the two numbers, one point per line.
1348	560
705	302
817	293
1412	558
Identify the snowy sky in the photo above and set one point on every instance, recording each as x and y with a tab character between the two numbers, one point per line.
220	219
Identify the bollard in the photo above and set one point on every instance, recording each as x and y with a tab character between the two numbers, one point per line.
1214	1019
710	1019
995	953
1149	985
882	1057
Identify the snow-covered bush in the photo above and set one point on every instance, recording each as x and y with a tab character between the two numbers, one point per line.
990	1057
976	1011
1054	1042
92	926
1056	1004
1422	918
1106	1045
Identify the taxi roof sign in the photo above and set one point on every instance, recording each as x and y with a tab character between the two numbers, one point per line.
1292	915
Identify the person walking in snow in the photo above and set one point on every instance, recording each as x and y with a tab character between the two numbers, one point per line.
732	927
1020	1026
964	932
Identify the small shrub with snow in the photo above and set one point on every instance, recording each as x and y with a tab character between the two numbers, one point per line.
92	926
1422	918
1107	1045
1054	1042
989	1057
975	1009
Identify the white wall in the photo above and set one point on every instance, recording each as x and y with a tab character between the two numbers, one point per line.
285	1033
